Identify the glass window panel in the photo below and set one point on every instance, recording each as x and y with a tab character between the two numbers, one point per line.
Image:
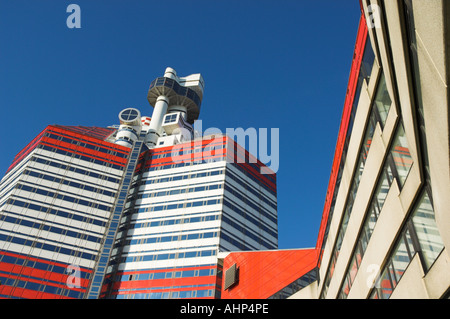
358	173
409	243
385	285
345	288
371	222
427	232
400	259
382	100
367	60
364	240
358	255
353	270
368	135
381	191
391	272
401	155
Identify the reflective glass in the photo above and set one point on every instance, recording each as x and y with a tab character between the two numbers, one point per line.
427	232
385	285
401	155
382	100
400	259
367	60
129	114
382	191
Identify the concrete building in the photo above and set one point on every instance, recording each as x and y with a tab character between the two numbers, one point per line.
385	226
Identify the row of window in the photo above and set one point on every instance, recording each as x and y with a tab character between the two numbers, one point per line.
225	238
374	118
186	149
100	133
260	207
80	142
51	229
248	218
177	88
80	186
41	288
178	206
5	183
73	154
168	222
165	239
255	167
97	176
245	232
167	274
240	155
396	167
66	198
61	213
180	191
185	163
41	266
419	235
174	178
245	187
57	248
166	256
169	295
258	180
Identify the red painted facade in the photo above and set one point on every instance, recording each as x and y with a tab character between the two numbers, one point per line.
263	273
57	278
76	134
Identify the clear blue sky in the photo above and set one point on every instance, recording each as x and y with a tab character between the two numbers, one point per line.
266	64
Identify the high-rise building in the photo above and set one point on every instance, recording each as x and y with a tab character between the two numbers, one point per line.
386	221
136	210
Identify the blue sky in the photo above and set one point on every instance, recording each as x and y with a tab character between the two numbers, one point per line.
266	64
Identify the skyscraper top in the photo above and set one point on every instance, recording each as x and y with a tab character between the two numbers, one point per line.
182	92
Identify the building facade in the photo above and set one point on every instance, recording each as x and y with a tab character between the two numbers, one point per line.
267	274
385	229
385	225
137	210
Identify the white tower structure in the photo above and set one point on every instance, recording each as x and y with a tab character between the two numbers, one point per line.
176	102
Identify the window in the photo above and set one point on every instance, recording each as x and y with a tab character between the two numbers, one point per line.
401	156
427	242
382	100
129	115
367	60
169	118
403	255
427	232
